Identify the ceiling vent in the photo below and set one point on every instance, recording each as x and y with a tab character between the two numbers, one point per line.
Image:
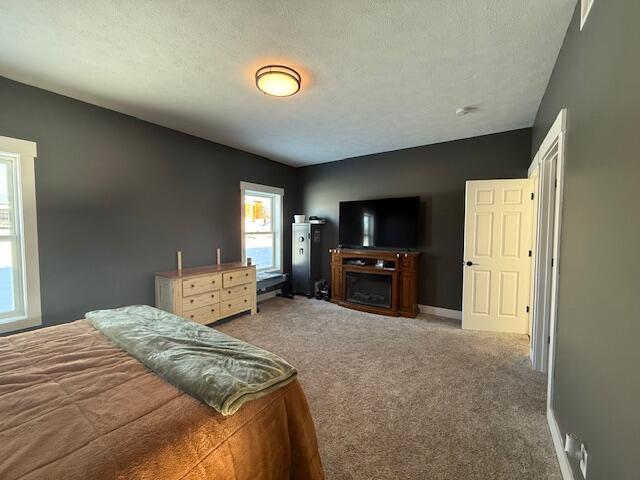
585	8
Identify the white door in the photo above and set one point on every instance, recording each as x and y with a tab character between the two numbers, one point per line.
543	265
534	176
497	266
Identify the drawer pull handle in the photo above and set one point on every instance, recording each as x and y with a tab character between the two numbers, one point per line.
230	278
193	286
245	288
191	316
246	274
229	305
229	291
212	296
213	309
191	301
213	281
245	300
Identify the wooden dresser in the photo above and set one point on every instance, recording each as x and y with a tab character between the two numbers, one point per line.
207	294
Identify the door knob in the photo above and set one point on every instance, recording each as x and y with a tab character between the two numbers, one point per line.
469	264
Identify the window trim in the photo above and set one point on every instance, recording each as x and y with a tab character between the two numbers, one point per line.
277	222
26	153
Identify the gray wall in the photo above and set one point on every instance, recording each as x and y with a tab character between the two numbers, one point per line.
437	173
118	196
597	380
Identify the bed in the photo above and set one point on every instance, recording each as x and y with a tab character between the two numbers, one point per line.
75	406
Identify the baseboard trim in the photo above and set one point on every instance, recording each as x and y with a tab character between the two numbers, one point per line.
441	312
558	444
531	362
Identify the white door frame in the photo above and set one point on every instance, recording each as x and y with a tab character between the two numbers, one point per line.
544	303
547	266
557	134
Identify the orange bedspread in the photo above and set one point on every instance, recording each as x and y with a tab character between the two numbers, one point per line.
74	406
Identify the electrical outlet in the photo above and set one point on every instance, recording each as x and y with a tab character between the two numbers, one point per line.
583	460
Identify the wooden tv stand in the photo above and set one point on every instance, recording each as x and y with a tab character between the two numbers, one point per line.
392	277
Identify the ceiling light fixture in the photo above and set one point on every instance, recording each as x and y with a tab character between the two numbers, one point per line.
278	80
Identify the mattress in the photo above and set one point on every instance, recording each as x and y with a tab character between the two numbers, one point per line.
74	406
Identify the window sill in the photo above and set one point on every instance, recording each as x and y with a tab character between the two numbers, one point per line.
19	323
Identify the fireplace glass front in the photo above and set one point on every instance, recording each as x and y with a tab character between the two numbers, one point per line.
368	289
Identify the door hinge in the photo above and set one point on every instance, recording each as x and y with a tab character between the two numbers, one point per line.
527	308
530	252
555	183
531	195
549	340
552	262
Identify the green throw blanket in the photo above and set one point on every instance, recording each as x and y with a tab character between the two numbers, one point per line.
219	370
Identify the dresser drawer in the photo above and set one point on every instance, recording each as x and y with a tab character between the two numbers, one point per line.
197	285
200	300
235	305
203	315
238	277
234	292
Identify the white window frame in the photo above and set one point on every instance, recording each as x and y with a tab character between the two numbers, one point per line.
276	194
24	154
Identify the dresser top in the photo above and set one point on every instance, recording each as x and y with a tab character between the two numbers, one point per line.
205	270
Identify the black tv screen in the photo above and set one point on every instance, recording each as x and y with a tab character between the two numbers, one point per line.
384	223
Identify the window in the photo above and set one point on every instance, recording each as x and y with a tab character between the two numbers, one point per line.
11	277
19	271
262	225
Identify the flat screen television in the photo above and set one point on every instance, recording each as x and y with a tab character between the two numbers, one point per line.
384	223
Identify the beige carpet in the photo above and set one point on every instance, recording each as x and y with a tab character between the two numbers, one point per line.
397	398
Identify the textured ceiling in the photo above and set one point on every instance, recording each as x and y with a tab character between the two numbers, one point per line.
377	75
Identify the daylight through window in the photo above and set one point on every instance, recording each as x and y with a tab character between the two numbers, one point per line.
262	225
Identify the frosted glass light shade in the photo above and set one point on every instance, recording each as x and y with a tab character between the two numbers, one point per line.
278	80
